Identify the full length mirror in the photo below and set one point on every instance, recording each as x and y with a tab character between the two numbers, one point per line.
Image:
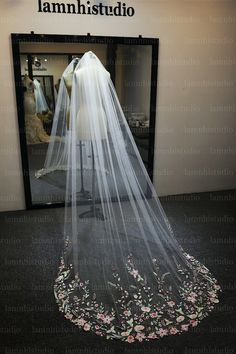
39	62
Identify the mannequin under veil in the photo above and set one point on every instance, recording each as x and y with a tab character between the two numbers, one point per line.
67	78
123	275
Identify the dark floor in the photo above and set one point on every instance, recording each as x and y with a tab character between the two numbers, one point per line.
30	247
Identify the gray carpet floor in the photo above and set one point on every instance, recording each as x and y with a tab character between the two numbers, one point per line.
30	248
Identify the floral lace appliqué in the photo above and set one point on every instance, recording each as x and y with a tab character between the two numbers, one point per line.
150	319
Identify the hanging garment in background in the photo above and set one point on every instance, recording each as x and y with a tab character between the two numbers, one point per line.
41	103
35	132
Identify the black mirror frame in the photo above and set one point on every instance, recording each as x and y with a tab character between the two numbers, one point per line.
17	38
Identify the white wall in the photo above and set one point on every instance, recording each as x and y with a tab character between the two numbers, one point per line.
196	88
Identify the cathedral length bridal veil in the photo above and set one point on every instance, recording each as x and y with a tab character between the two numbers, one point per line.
123	275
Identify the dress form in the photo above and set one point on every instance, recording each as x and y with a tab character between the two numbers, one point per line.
84	132
68	79
83	123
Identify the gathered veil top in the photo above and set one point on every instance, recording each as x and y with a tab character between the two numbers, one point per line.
122	275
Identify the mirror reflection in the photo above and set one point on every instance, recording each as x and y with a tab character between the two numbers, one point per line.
42	65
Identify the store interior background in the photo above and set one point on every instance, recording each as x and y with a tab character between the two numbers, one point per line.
195	122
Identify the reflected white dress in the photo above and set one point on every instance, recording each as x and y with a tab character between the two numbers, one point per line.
35	132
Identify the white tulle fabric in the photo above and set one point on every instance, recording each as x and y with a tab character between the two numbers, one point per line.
56	162
123	275
41	103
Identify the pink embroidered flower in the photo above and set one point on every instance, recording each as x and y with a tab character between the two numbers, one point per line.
99	333
107	319
138	328
162	332
213	299
180	319
130	339
100	316
127	313
193	294
173	330
81	322
145	309
61	296
204	270
191	299
68	316
140	337
212	293
134	272
154	314
194	323
125	334
217	287
184	327
171	303
87	327
97	327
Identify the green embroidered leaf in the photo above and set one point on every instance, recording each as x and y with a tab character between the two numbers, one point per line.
180	311
112	284
199	309
112	330
193	316
130	322
164	275
132	286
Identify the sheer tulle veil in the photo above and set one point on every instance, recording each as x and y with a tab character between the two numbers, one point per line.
41	103
123	275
